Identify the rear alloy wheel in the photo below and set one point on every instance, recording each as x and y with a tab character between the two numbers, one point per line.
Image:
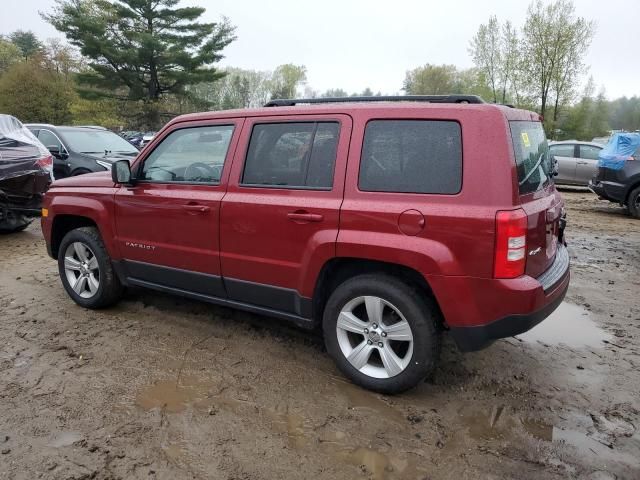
370	325
382	333
634	203
86	270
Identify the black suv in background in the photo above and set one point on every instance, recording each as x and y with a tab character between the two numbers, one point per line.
620	186
78	150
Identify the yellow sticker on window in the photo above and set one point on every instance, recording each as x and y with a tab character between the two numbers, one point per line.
525	139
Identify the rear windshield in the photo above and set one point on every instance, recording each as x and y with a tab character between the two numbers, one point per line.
533	161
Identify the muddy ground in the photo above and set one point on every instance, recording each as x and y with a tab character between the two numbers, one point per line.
167	388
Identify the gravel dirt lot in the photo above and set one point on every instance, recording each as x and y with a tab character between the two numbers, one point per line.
166	388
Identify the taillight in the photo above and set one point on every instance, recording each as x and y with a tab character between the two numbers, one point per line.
46	163
511	244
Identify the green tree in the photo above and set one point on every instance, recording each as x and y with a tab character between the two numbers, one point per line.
431	80
555	42
625	113
35	94
286	80
334	93
9	54
145	48
104	112
486	51
62	58
27	42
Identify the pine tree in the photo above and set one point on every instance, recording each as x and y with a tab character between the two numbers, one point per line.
142	49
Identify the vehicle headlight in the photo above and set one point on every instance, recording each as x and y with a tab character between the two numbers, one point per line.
106	165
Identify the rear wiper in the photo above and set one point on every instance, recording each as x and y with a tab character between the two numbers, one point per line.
531	172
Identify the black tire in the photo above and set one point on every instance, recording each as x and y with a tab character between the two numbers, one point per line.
14	223
110	289
634	203
419	311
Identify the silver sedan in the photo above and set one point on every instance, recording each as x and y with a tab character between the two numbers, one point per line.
577	161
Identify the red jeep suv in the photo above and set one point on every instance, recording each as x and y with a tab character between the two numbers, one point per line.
384	220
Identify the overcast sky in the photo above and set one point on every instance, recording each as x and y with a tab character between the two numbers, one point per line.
353	44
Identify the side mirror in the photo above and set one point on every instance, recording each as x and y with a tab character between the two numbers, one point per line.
121	172
554	168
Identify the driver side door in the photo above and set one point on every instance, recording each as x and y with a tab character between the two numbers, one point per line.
167	223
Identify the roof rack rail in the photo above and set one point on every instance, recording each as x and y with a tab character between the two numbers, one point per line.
394	98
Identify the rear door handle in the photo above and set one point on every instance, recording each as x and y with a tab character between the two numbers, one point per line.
304	217
196	208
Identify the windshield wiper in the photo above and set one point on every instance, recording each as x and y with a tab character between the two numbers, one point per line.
533	170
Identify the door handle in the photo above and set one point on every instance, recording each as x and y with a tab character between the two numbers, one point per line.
303	217
196	208
583	163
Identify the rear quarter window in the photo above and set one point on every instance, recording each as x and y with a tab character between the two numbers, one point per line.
411	156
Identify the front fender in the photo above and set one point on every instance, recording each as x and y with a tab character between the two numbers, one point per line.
96	206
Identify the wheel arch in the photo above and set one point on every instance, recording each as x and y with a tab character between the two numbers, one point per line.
63	224
633	184
337	270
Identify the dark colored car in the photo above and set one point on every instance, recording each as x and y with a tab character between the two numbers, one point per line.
25	174
80	150
620	186
383	223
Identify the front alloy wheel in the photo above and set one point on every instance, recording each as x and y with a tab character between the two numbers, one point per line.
81	269
86	270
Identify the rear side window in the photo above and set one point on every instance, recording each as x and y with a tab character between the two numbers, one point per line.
531	151
411	156
589	152
292	155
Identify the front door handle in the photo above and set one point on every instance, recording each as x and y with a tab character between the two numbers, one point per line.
304	216
196	208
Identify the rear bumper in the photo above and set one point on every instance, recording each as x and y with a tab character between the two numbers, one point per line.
511	306
612	191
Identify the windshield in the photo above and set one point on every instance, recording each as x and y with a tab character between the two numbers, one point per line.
533	161
96	141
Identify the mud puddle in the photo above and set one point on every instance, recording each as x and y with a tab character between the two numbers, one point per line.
569	325
586	439
174	397
64	439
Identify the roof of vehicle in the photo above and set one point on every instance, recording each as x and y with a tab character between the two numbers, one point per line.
573	142
346	107
65	127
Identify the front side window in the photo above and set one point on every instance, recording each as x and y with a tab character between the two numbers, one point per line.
562	150
192	155
292	155
533	162
48	139
411	156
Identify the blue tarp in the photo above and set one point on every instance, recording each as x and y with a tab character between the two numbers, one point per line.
621	146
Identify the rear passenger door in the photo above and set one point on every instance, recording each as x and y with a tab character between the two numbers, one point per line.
587	165
565	154
279	219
